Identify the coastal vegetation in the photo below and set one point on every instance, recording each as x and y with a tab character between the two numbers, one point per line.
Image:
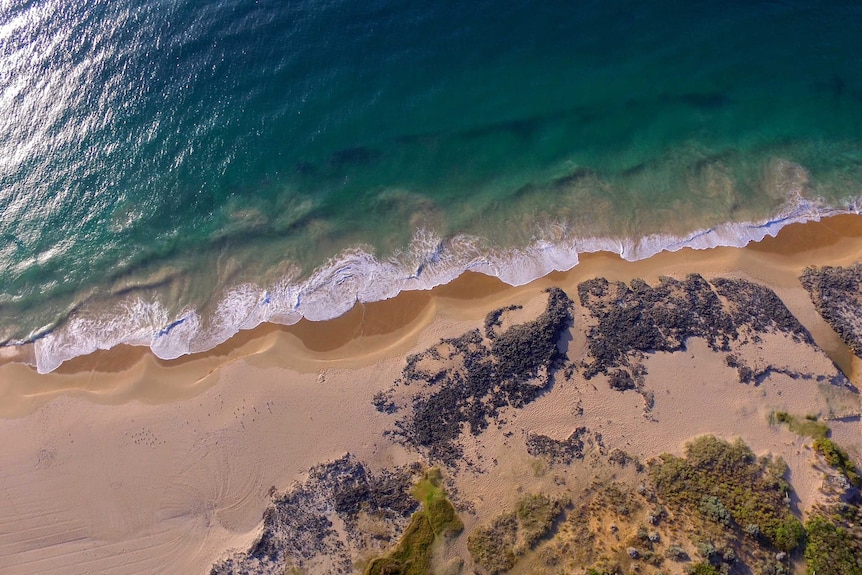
808	426
832	453
726	484
838	459
833	532
834	526
834	544
718	509
496	547
434	522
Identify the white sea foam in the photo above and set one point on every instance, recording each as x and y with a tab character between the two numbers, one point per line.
357	276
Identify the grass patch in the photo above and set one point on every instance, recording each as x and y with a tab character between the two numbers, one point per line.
493	546
807	426
499	545
536	515
838	459
412	556
436	520
441	515
729	486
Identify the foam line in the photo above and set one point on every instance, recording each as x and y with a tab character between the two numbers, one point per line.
357	276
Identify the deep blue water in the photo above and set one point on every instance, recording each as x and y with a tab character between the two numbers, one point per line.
210	165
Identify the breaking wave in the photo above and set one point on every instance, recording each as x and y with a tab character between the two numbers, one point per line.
358	276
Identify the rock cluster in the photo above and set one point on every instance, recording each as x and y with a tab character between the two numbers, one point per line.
298	526
630	320
464	382
562	452
837	295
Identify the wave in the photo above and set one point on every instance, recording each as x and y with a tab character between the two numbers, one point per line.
358	276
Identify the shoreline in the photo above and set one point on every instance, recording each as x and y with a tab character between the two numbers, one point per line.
369	332
356	276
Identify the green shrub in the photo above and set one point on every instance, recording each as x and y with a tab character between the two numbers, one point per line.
807	426
676	553
726	483
702	568
838	459
707	550
493	546
536	515
779	417
753	531
712	507
789	534
830	549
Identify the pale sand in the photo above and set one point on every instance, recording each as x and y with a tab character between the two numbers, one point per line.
122	463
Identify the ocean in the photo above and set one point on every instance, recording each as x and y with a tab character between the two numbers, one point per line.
174	171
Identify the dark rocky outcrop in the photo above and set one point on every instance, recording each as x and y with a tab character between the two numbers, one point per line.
477	377
557	451
630	320
642	318
758	308
837	295
298	526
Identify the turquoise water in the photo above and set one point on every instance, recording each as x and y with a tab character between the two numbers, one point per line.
173	171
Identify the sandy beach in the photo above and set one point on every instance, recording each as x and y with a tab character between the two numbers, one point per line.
119	462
